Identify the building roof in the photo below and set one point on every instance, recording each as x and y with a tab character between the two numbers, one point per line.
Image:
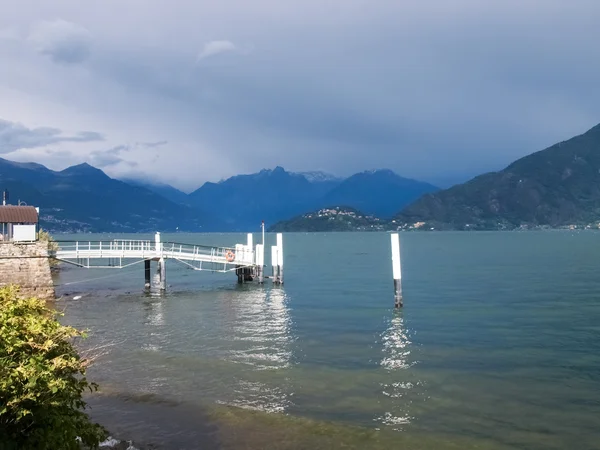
18	214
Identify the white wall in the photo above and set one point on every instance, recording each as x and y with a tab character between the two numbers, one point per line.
24	233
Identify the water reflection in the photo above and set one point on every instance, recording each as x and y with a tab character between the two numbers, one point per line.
261	341
396	345
397	348
155	338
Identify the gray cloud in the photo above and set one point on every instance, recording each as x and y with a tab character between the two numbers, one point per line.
64	42
152	144
436	90
15	136
115	155
110	157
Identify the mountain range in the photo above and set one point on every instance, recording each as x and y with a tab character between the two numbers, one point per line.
84	199
555	187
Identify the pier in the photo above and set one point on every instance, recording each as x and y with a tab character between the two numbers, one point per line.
245	260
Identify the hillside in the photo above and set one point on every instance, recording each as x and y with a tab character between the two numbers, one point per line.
338	218
555	187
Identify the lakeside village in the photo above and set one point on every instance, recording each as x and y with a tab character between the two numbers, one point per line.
358	221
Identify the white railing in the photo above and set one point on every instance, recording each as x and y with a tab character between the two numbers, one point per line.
135	249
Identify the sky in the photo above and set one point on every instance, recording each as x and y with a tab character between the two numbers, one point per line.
191	91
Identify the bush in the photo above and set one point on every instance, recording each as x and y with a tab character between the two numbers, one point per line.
43	235
42	379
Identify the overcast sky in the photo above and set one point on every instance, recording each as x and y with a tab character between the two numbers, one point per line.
190	91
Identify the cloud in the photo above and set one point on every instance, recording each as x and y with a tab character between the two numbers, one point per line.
342	85
15	136
9	34
110	157
114	156
64	42
213	48
152	144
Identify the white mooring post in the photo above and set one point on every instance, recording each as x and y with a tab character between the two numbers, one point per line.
274	259
260	262
250	241
397	270
162	270
280	256
158	244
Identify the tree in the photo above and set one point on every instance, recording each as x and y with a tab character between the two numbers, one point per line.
42	379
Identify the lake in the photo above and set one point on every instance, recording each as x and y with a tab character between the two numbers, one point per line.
497	346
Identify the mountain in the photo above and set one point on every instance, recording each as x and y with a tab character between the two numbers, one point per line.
243	201
379	192
164	190
554	187
318	176
339	218
83	198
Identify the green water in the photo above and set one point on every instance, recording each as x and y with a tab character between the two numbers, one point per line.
497	345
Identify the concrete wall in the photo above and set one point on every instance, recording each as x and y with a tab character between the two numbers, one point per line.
27	266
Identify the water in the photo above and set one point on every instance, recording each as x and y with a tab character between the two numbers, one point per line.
498	345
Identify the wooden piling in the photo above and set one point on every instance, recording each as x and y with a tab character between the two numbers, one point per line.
397	270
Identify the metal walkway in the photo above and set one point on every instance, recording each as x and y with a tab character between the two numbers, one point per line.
247	261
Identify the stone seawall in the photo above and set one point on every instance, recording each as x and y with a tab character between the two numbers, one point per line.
27	266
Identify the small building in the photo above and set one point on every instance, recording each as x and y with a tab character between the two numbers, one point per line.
18	223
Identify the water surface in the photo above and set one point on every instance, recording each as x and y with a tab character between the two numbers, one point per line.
497	346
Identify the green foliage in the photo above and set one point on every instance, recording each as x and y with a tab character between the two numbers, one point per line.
42	379
45	236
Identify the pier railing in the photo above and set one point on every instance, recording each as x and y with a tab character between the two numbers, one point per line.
246	260
147	249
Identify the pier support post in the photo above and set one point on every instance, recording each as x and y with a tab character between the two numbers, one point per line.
158	244
397	270
260	262
162	270
147	274
280	256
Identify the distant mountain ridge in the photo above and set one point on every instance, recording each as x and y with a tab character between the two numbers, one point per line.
555	187
243	201
84	198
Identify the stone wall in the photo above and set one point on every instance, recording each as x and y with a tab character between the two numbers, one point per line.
27	266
